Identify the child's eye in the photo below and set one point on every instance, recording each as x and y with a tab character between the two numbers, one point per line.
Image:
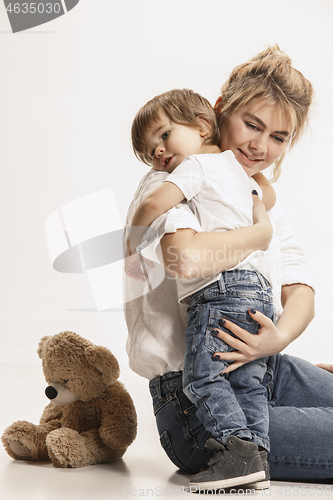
165	135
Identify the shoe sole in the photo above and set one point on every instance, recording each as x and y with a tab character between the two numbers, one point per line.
260	485
232	481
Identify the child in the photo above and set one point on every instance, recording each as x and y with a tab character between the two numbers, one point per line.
177	133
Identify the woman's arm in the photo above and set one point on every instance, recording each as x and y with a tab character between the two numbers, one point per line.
325	366
187	253
298	312
300	298
268	192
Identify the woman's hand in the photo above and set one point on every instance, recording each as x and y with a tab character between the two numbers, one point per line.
261	218
135	267
326	367
267	342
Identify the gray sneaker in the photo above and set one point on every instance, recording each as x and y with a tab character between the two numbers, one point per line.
265	483
237	464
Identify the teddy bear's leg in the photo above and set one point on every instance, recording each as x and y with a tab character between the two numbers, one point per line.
68	448
25	441
98	449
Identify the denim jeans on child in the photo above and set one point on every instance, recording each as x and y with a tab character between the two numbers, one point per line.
235	403
300	398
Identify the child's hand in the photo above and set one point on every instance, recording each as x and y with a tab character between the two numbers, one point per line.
133	267
261	218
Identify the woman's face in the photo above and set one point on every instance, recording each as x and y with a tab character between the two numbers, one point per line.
257	134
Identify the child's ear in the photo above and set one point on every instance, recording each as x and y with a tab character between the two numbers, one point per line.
205	127
218	105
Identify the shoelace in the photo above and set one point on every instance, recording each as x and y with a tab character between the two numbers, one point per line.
218	455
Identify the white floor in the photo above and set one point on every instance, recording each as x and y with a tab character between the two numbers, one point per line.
144	471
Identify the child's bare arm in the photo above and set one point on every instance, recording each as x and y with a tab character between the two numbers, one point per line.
185	251
156	203
268	193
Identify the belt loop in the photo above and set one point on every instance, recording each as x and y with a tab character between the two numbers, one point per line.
158	387
222	284
261	279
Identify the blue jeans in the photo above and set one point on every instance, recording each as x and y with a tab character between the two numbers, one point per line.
235	403
300	399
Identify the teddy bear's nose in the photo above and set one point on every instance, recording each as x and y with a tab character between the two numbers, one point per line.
51	392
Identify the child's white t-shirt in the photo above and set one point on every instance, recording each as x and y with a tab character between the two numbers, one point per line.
219	192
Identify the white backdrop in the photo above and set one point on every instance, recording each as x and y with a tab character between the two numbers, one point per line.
68	93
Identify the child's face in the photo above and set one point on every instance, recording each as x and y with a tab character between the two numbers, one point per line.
169	143
257	134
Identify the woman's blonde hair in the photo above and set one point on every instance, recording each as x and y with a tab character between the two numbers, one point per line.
181	106
269	75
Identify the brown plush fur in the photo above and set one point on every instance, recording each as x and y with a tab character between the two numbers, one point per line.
98	427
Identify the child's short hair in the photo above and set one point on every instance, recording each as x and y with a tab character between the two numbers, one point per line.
180	106
269	75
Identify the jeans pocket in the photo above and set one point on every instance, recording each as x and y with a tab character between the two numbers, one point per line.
159	403
242	319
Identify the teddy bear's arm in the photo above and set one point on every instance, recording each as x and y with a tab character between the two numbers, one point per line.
51	417
119	421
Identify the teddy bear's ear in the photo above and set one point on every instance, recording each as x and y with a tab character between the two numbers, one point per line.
41	344
104	361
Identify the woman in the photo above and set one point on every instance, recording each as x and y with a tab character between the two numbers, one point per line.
300	395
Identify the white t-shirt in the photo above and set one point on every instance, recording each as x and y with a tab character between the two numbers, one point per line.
156	321
219	192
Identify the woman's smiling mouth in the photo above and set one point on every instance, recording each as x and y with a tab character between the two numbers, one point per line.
249	158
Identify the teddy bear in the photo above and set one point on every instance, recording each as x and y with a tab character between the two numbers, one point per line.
90	419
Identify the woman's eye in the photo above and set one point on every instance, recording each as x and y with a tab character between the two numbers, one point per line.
152	153
251	126
165	135
278	139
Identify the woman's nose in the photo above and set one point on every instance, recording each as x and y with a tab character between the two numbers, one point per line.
259	145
